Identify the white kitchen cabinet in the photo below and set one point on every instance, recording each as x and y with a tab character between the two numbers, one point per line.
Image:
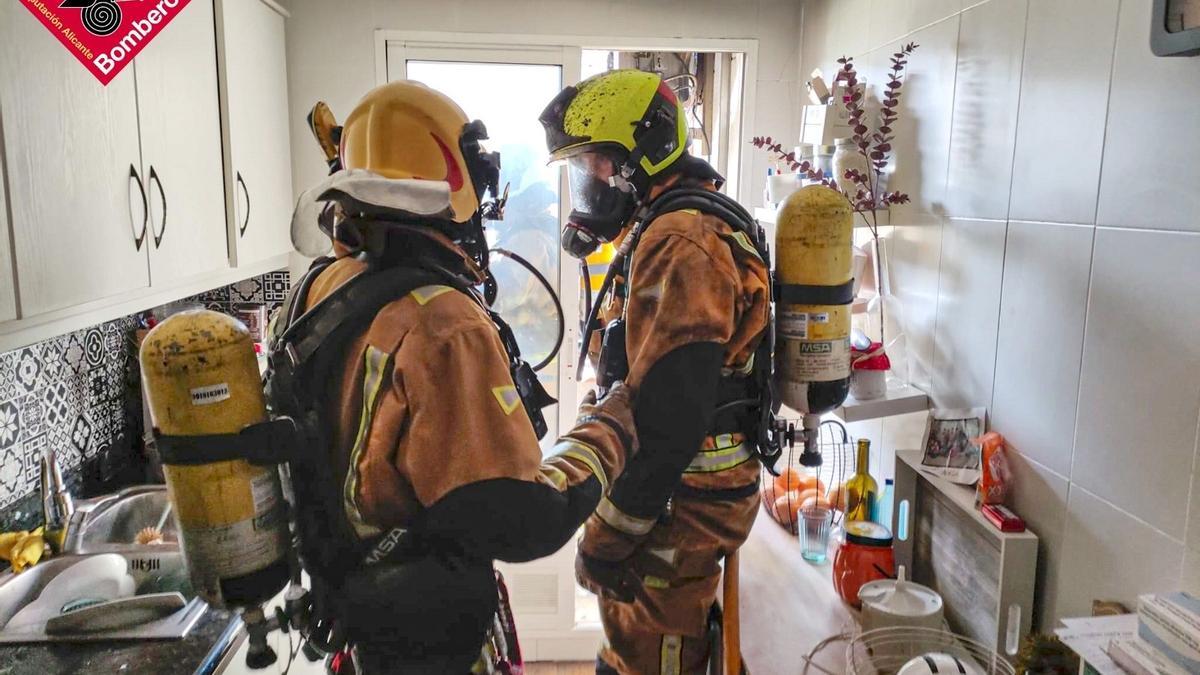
258	178
73	161
180	120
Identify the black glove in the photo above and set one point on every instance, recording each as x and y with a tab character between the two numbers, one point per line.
615	411
613	580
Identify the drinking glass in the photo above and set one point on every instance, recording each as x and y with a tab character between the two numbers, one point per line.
814	532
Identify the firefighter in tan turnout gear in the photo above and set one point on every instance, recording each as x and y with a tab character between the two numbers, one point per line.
689	306
434	465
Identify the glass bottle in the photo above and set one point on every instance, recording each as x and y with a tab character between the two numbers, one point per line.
883	505
860	489
824	159
885	315
846	156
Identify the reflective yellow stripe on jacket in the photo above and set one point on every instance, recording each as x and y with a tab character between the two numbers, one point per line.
619	520
721	453
375	367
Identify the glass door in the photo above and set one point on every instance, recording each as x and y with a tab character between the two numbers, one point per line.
507	86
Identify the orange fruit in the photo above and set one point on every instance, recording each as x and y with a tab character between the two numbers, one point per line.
814	499
786	506
811	482
812	496
789	479
842	498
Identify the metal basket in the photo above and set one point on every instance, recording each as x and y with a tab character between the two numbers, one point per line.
837	458
886	650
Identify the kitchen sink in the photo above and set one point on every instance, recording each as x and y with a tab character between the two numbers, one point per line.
107	526
155	569
111	523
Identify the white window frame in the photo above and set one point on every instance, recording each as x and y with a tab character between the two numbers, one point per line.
741	116
555	636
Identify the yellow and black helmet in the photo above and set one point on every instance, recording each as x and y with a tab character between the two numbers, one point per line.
629	112
405	129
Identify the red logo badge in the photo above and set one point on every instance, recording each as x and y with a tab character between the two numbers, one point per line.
105	35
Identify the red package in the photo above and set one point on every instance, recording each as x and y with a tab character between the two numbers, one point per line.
995	476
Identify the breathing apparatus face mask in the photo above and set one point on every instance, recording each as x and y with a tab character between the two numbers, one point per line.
602	201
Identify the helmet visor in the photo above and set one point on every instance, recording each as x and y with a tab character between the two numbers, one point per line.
553	120
591	193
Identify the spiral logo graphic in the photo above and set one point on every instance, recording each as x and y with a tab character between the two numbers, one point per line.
102	17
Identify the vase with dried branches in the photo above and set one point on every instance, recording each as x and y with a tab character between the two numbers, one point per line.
863	189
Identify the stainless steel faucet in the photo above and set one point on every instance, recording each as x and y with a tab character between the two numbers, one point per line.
57	504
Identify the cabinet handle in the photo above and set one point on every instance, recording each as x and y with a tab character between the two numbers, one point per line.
154	179
139	238
246	217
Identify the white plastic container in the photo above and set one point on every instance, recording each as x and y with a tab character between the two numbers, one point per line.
847	156
899	603
866	385
781	185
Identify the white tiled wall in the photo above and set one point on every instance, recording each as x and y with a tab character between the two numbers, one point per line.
1150	172
987	86
1043	302
964	357
1050	264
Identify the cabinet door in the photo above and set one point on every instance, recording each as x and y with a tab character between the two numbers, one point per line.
70	145
180	118
260	176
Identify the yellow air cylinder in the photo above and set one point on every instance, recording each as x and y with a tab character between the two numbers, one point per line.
597	265
814	269
201	378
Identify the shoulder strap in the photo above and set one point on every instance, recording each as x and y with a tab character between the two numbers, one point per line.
310	336
714	204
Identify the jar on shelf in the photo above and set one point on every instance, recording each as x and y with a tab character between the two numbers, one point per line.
824	159
847	156
804	153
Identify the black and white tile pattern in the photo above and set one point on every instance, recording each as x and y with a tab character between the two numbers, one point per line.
79	393
269	289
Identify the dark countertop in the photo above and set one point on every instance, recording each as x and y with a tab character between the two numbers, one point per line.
161	657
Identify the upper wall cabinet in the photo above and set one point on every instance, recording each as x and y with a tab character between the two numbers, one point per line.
180	118
259	169
76	188
112	189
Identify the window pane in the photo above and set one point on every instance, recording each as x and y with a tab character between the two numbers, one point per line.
509	98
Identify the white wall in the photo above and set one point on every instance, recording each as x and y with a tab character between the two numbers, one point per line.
1048	264
331	53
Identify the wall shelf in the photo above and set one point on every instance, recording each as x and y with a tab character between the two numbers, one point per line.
897	401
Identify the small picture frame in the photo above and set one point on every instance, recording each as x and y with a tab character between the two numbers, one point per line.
950	447
1175	28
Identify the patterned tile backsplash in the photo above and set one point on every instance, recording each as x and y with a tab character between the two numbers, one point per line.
79	393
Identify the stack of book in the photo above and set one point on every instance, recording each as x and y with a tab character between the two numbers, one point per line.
1167	640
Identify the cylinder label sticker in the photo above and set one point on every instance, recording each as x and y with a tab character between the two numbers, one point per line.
266	492
235	549
213	393
793	324
816	360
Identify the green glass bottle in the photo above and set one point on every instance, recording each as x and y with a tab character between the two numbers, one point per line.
860	489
